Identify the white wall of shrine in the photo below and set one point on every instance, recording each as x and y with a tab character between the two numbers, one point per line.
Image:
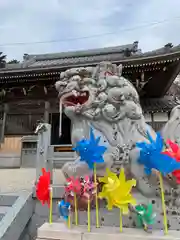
156	117
160	117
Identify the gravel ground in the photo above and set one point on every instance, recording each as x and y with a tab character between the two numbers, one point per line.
15	180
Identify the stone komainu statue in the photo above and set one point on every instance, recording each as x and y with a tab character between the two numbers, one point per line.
100	97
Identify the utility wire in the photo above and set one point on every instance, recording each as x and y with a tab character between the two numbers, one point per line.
93	36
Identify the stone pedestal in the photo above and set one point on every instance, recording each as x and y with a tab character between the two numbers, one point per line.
60	231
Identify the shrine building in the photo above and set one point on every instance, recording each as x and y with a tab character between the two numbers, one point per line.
28	95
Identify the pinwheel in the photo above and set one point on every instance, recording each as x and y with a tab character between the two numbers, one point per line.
89	187
44	191
117	192
151	155
64	211
74	187
174	152
90	152
145	215
88	190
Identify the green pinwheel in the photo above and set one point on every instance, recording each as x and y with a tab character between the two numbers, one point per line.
145	215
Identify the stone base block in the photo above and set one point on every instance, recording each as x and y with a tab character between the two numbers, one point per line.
10	160
60	231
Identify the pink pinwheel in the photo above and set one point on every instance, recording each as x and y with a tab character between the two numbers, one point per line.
89	188
174	152
73	185
73	188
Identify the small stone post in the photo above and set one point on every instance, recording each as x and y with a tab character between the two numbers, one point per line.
44	138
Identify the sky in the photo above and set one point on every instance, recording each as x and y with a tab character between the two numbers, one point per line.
82	24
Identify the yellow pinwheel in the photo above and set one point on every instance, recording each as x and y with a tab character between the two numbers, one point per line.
117	192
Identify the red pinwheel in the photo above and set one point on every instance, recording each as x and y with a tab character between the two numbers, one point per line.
73	185
174	152
43	187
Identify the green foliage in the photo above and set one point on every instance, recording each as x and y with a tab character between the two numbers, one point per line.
2	60
13	61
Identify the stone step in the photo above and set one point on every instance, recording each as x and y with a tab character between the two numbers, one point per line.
6	202
58	162
4	210
60	231
1	216
7	199
14	218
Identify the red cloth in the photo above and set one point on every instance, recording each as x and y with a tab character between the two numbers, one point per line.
43	187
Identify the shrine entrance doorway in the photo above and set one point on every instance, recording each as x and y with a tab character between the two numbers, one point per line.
65	138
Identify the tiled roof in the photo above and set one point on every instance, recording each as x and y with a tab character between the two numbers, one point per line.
78	60
128	54
82	57
13	65
95	56
133	47
165	104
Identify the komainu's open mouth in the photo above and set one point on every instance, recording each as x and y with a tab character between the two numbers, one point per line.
74	98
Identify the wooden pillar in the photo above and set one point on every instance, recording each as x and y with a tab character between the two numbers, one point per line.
46	112
6	108
152	117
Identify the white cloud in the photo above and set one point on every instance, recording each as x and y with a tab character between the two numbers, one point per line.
44	20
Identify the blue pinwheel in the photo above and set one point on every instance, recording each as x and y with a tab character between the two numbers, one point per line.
64	208
152	157
89	150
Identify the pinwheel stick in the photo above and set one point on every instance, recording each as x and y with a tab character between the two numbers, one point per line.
50	205
163	204
69	218
89	215
97	205
120	220
75	206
